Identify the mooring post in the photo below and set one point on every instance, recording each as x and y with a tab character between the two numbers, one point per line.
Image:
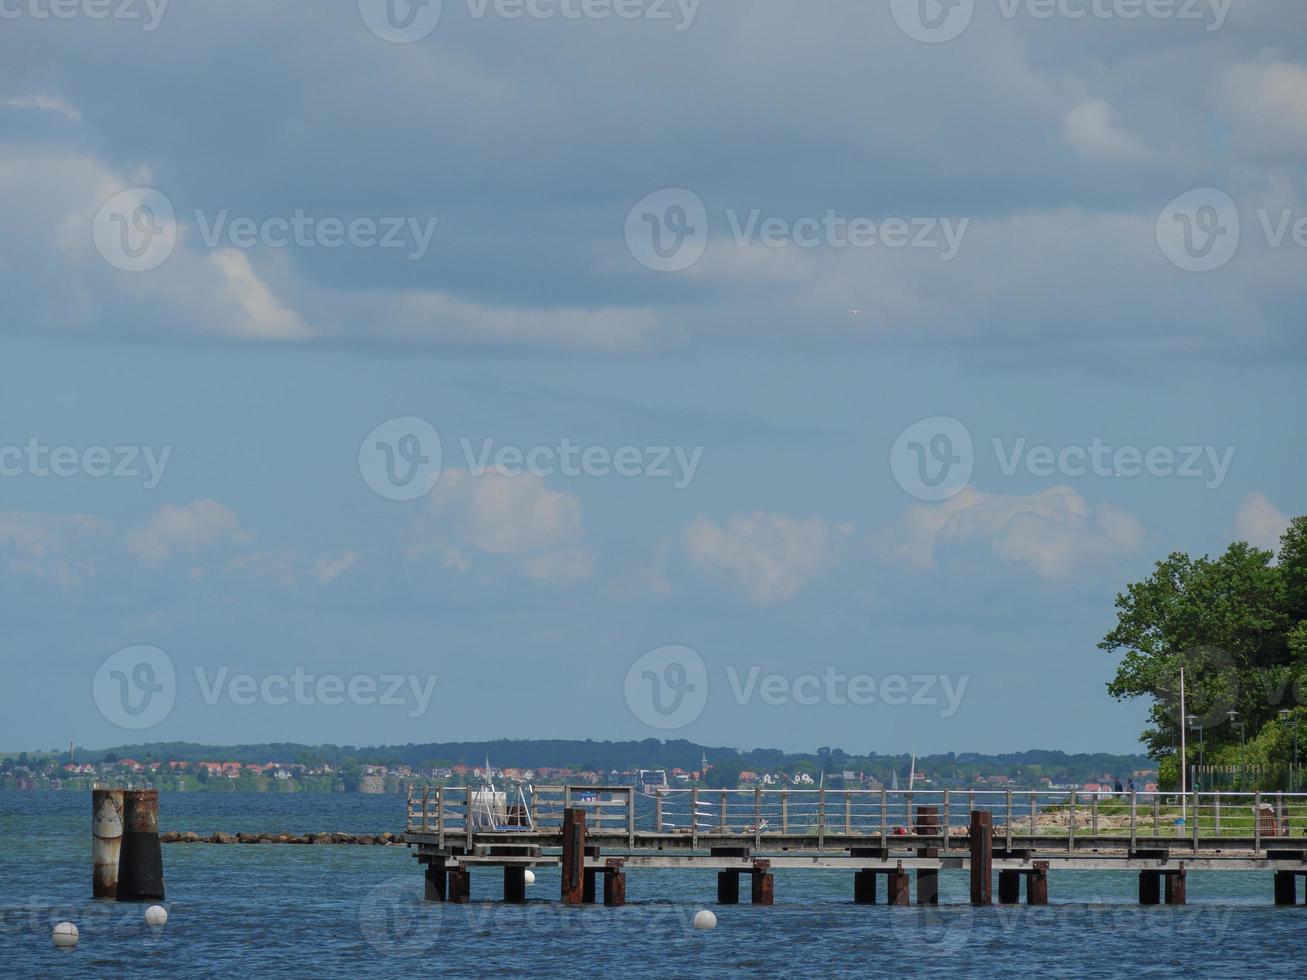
1009	887
514	885
573	856
1037	884
763	890
106	841
1286	888
1150	887
927	879
982	858
140	860
1175	887
436	881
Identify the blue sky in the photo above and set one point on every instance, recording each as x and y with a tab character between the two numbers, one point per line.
914	350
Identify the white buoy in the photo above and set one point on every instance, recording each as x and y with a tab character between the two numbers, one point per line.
156	915
65	935
530	877
705	920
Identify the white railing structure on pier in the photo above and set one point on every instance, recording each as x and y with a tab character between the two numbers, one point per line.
1258	820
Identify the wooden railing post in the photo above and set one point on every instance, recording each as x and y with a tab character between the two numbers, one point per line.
884	813
821	818
1134	820
785	811
1257	821
630	818
757	816
440	814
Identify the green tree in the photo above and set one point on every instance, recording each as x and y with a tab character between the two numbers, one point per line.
1233	623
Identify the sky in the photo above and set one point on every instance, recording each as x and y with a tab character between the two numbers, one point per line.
767	374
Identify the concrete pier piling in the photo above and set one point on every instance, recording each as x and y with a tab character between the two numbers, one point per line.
514	885
140	859
106	841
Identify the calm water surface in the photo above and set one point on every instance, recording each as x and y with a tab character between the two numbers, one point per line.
316	911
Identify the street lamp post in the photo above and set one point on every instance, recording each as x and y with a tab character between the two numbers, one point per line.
1235	720
1196	724
1287	717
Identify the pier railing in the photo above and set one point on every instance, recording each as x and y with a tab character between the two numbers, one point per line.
458	814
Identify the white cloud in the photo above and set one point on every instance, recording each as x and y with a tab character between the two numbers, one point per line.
43	103
1260	522
514	516
265	317
1265	105
1089	129
54	549
327	570
770	557
185	530
1052	533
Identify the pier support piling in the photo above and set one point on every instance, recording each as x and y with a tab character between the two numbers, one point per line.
927	880
982	857
460	886
864	888
615	889
140	860
1176	888
1150	888
1037	884
437	881
764	888
1286	888
728	888
897	891
573	856
1009	887
106	841
514	885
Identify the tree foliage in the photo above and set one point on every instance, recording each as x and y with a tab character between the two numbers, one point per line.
1237	624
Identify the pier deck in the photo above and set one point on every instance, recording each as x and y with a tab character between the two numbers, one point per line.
606	830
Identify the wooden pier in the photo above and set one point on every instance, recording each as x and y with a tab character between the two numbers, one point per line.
608	831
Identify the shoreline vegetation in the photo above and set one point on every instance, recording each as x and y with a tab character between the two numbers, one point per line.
287	768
